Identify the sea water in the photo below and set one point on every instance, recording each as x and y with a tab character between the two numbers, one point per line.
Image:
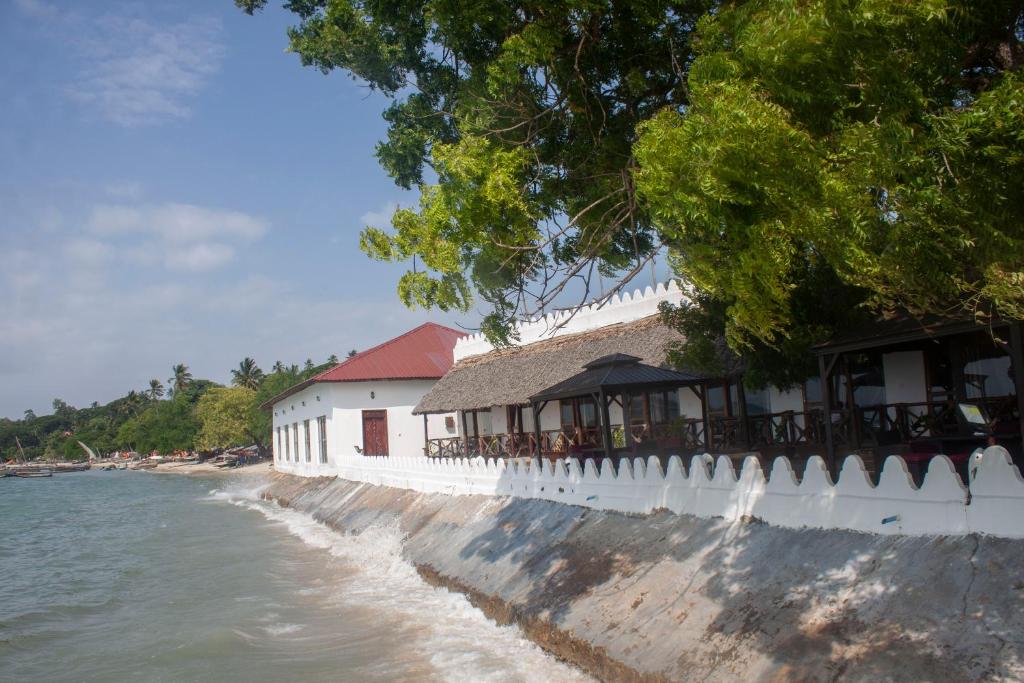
137	576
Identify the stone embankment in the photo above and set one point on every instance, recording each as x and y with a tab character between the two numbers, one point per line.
667	597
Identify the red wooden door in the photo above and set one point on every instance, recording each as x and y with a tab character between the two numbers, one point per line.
375	432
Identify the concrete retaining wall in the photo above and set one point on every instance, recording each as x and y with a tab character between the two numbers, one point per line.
666	597
994	503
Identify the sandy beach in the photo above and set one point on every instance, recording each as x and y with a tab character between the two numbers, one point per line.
206	468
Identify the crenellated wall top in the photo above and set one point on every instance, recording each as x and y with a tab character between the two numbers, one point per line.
620	308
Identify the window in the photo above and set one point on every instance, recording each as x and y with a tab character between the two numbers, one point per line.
568	419
295	439
672	405
514	419
637	410
305	428
722	399
321	430
588	412
812	392
287	445
578	412
759	401
664	407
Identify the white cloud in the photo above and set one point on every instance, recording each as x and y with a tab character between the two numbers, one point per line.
37	9
124	189
134	72
201	256
88	252
175	223
380	218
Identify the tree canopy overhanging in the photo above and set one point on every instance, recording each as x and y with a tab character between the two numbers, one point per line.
803	163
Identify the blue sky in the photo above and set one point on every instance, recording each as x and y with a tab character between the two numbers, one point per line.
175	187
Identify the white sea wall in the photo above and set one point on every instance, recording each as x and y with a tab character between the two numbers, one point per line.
619	308
942	505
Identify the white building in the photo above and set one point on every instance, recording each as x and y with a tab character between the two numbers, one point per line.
902	386
364	405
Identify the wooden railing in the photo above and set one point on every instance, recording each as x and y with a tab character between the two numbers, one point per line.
853	428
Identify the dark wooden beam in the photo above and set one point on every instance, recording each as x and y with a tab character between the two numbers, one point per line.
465	434
1017	359
824	368
955	349
741	399
536	428
606	427
426	436
704	416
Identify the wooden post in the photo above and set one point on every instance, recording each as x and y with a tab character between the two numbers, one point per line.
426	437
741	399
465	434
955	349
606	426
826	407
1017	361
536	429
627	427
476	433
704	416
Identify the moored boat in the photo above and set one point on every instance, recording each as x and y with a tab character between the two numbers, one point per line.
32	473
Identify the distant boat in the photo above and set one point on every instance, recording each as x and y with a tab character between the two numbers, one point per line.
32	474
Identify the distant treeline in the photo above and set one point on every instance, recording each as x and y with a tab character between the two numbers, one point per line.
189	414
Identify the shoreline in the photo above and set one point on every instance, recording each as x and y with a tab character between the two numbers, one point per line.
664	597
206	468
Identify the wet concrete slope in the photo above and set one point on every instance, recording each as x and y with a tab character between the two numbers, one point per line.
675	598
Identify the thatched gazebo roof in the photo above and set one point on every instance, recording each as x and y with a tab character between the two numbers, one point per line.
510	376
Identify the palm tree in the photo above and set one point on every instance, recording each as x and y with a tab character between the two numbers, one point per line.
132	403
156	389
180	379
332	359
309	365
278	366
352	353
30	415
293	370
247	375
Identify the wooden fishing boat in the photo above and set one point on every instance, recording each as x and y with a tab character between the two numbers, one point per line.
32	473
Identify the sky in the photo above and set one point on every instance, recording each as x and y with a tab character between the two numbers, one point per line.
176	188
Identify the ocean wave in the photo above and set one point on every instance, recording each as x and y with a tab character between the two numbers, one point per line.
458	640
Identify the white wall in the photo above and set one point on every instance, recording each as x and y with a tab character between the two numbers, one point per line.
904	377
343	403
712	489
623	308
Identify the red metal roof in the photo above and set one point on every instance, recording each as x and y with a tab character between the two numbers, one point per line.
421	353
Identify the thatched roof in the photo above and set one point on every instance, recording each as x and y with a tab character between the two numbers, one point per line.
510	376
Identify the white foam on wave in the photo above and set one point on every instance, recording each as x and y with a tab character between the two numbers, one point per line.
281	629
458	640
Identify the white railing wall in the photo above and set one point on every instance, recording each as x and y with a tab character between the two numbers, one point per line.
994	504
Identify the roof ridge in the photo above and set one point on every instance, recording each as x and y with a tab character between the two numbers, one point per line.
383	344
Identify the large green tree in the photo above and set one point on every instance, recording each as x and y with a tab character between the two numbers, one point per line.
803	161
226	419
876	145
526	112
